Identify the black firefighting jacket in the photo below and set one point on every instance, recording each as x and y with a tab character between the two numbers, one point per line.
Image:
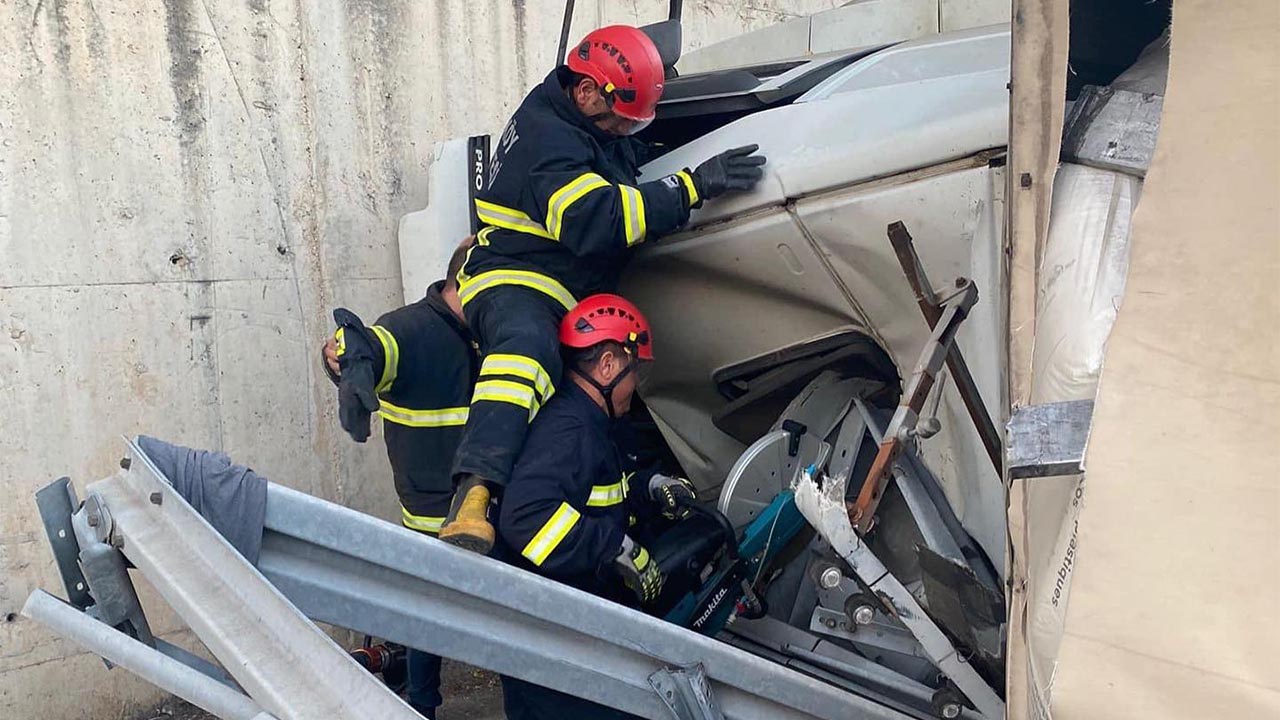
562	208
570	499
425	363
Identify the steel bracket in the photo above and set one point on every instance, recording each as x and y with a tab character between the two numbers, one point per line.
56	502
686	692
1049	440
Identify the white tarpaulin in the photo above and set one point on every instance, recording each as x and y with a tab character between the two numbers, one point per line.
1081	282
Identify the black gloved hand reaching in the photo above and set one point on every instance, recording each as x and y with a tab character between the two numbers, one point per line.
735	169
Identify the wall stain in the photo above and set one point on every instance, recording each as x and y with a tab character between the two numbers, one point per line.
63	35
185	72
522	72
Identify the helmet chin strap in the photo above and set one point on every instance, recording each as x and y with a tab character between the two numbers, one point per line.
606	391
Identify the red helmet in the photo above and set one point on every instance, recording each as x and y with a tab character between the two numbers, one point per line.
626	65
604	317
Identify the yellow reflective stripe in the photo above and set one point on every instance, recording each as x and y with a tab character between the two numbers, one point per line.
482	238
632	213
508	392
509	219
522	367
469	288
554	531
567	195
390	357
341	336
642	560
606	495
687	179
421	523
442	417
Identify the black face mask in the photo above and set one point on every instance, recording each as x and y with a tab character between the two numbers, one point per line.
607	390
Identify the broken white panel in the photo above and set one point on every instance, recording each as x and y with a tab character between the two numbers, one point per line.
872	22
428	236
783	41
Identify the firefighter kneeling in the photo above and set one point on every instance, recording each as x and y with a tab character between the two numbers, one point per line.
568	506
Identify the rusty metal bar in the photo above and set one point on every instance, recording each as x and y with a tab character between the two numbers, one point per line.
903	424
904	248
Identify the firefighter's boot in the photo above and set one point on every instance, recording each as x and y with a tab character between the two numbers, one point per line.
467	524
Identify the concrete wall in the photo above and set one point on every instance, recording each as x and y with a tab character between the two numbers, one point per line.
187	187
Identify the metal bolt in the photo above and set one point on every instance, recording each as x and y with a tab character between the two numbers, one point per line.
93	520
950	711
829	622
156	498
125	463
928	427
864	615
1025	180
117	542
831	578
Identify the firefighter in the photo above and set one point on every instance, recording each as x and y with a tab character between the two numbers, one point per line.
568	508
415	367
562	212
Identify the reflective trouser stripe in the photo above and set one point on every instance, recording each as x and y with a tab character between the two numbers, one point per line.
692	189
482	238
442	417
390	357
506	391
551	534
522	367
632	213
606	495
473	286
421	523
509	219
567	195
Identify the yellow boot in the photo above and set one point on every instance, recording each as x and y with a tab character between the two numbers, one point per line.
467	525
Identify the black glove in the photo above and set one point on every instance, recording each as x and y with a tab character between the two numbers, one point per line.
357	399
735	169
639	571
673	495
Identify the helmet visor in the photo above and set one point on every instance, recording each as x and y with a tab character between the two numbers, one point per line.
627	123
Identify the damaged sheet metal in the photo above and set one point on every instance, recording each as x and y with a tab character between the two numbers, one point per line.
1113	129
824	508
1049	440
